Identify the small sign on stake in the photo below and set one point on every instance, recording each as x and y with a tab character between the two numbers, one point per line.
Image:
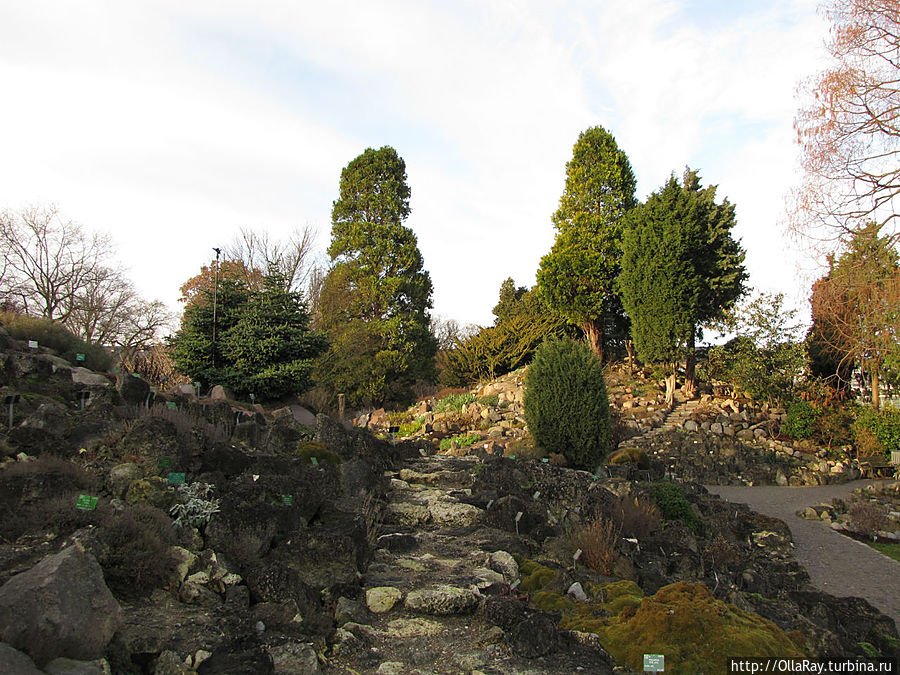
86	503
287	500
32	344
536	495
489	505
545	460
176	478
79	357
315	461
577	555
518	518
11	400
84	397
512	456
171	405
654	663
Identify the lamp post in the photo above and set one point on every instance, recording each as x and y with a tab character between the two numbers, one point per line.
215	296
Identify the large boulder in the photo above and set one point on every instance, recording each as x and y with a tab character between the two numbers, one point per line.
60	607
132	389
14	661
89	378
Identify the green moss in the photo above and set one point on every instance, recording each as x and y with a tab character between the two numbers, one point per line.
535	576
695	631
463	440
308	449
549	601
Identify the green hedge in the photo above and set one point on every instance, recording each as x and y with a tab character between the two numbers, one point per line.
883	425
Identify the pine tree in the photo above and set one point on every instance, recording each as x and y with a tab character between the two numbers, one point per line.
376	296
577	279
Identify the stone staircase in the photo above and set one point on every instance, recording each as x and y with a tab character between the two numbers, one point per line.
431	595
675	419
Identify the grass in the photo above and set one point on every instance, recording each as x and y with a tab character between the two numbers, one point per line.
890	549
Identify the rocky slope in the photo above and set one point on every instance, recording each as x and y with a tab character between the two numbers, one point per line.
230	539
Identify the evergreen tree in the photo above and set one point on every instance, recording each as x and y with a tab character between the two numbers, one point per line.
680	268
510	302
376	296
577	279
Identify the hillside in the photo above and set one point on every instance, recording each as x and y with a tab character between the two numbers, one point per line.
226	538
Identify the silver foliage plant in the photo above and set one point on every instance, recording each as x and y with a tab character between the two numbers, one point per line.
195	507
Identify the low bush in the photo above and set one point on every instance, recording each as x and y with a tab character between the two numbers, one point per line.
462	441
49	333
195	505
877	431
636	516
801	420
566	405
674	504
453	402
597	542
309	449
868	519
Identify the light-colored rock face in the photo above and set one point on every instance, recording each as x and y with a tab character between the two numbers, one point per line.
60	607
89	378
382	599
442	600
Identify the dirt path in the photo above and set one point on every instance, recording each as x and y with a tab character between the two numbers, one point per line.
836	564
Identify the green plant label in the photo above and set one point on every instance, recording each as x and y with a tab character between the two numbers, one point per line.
545	460
32	344
512	456
287	500
79	357
137	375
595	476
171	405
176	479
164	462
314	461
654	663
86	503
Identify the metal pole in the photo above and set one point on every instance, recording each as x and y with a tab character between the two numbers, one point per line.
215	297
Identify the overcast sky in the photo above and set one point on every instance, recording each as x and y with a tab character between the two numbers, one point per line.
171	125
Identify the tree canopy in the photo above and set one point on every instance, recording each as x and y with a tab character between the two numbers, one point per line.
577	279
849	127
375	298
680	267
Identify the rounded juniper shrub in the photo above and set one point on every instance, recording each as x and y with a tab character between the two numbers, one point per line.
566	405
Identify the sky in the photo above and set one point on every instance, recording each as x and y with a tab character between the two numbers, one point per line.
173	124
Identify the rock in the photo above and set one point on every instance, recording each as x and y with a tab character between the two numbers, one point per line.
450	514
691	425
169	663
183	560
534	637
64	666
577	592
414	627
89	378
391	668
382	599
121	476
60	607
716	428
293	658
442	600
503	562
349	610
220	393
132	389
14	661
504	611
780	478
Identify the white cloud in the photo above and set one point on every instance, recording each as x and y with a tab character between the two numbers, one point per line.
171	124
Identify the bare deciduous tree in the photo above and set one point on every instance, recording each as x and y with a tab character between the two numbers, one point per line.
849	129
47	261
291	258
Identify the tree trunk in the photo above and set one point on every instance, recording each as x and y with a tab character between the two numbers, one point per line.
593	331
629	349
690	369
876	390
670	389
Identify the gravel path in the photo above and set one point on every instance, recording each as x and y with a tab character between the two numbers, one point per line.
836	564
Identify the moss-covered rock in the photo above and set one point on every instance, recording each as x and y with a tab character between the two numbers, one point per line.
696	632
534	576
308	450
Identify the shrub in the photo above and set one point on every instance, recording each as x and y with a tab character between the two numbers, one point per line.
674	504
453	402
133	549
309	449
463	440
566	405
877	431
49	333
801	420
636	517
194	507
597	542
489	401
868	519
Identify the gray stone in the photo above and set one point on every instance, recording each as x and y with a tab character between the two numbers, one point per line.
577	592
169	663
414	627
503	562
60	607
442	600
64	666
716	427
405	513
89	378
121	476
14	661
349	610
295	658
392	668
220	393
691	425
382	599
133	390
451	514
